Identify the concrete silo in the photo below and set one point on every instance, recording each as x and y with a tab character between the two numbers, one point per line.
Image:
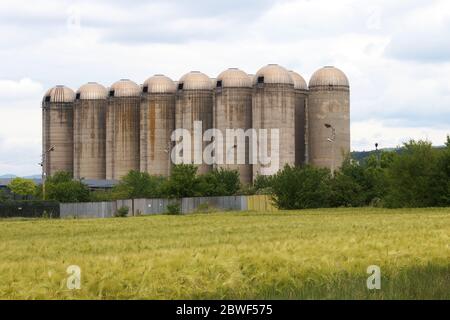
157	124
194	102
233	110
122	129
329	118
273	107
57	130
301	105
90	132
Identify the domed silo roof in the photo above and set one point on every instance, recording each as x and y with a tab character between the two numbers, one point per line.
234	78
61	94
299	81
273	74
329	76
92	91
125	88
195	80
159	84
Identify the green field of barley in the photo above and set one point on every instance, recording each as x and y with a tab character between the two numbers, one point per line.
312	254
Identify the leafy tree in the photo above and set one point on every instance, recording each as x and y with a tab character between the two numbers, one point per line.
137	185
301	187
358	184
61	187
22	187
219	183
443	175
413	177
102	195
3	195
263	184
183	182
346	191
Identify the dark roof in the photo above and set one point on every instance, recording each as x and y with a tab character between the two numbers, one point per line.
90	183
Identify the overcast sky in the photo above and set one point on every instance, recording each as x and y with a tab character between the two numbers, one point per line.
395	53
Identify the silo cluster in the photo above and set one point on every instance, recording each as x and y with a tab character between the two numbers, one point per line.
262	122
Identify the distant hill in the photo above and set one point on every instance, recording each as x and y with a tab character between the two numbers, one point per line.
34	176
361	155
12	176
8	176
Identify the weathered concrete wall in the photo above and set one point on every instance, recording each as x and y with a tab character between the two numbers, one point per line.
301	97
235	203
157	122
90	139
122	136
57	131
233	110
274	108
151	206
328	105
88	210
191	106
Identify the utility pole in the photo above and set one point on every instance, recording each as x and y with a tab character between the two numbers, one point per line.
332	140
44	169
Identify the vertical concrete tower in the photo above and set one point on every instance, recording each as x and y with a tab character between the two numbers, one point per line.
57	130
194	102
90	132
274	108
157	124
233	110
301	100
122	129
329	117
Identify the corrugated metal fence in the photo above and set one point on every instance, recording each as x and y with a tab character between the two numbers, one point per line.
159	206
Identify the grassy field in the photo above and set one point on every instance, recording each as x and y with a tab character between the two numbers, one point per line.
316	254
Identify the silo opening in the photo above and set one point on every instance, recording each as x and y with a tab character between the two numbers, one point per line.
260	79
77	97
111	93
219	84
180	86
145	90
47	99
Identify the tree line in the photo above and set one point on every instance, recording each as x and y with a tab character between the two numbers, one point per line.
418	176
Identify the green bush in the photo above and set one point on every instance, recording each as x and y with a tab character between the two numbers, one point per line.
219	182
122	212
414	177
183	182
137	185
301	188
174	208
61	187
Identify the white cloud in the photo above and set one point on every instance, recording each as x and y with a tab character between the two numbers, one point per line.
395	54
367	133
